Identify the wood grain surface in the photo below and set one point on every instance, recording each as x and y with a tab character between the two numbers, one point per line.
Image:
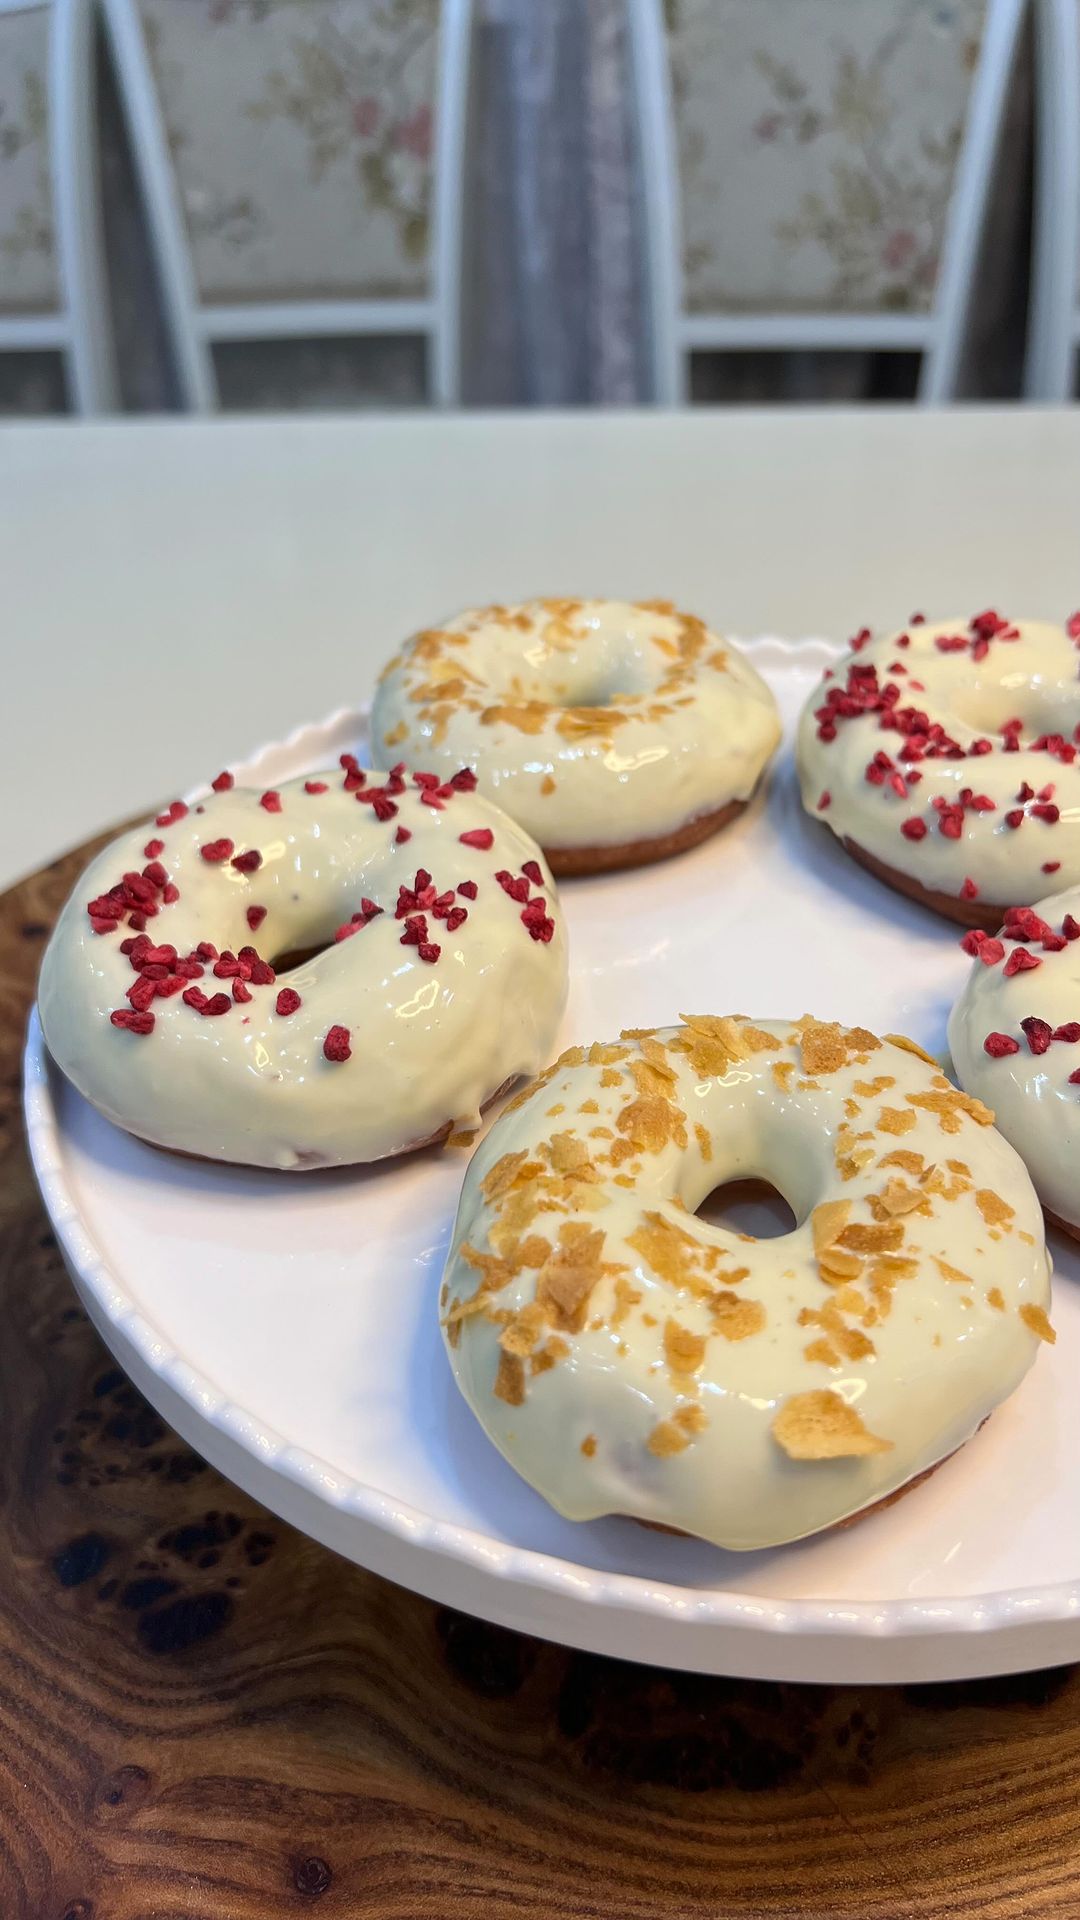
204	1716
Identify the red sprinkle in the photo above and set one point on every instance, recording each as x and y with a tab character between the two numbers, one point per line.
1070	928
287	1001
337	1045
314	786
532	871
1050	866
1023	923
1070	1032
255	917
132	1022
402	834
969	891
517	888
271	800
539	924
1072	626
241	991
913	829
215	851
153	848
1015	818
1020	961
464	780
223	782
427	950
175	811
249	862
468	888
481	837
825	801
997	1045
1039	1033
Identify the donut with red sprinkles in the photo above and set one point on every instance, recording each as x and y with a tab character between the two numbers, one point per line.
211	968
942	776
1013	1035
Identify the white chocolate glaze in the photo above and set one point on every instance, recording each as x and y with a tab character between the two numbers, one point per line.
1037	1106
967	692
434	1028
595	723
629	1358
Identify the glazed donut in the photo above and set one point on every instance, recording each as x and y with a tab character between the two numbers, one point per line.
628	1358
944	759
162	1001
1014	1035
614	733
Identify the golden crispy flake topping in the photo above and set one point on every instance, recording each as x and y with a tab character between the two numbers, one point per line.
735	1318
521	1334
568	1277
996	1299
910	1046
651	1121
951	1105
828	1221
896	1120
861	1237
684	1351
904	1157
955	1275
819	1425
1034	1318
510	1379
995	1211
500	1178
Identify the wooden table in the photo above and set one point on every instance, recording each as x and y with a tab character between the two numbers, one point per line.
203	1716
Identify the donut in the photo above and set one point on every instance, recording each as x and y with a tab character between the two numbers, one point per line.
629	1358
325	973
1014	1036
944	760
614	733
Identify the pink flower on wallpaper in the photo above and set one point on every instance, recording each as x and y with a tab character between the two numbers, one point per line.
899	248
365	116
414	134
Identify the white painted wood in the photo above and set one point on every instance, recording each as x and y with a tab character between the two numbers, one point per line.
79	240
904	332
161	204
661	228
448	199
298	319
81	329
25	332
938	336
1054	328
194	326
967	208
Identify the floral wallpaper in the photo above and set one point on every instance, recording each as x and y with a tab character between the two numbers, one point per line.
28	277
816	166
301	131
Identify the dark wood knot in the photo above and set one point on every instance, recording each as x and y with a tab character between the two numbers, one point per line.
124	1790
311	1876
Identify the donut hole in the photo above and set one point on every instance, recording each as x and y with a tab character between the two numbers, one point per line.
294	957
1043	706
610	664
755	1207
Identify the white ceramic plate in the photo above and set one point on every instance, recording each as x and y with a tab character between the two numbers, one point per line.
287	1325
